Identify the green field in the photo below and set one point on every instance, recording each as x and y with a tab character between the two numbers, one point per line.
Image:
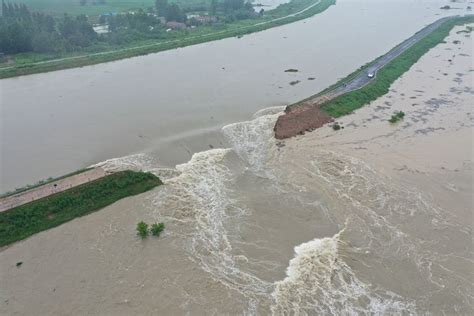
56	7
25	220
347	103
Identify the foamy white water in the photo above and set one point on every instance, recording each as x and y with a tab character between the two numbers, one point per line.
320	282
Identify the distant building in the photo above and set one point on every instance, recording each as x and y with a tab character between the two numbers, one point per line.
206	19
101	28
176	25
202	19
108	14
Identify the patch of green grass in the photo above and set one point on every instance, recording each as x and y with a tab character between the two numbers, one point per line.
398	116
107	53
351	101
25	220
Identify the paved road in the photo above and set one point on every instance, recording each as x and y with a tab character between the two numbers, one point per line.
50	188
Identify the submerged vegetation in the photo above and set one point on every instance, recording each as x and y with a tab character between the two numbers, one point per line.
142	229
380	85
52	43
398	116
25	220
155	230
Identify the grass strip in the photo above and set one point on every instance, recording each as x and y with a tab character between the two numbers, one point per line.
386	76
28	219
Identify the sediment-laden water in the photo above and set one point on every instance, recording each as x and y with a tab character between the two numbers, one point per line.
302	227
372	219
364	244
174	103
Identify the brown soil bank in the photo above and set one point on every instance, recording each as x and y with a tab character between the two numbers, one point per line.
299	119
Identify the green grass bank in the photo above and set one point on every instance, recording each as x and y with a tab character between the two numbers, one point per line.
386	76
37	63
23	221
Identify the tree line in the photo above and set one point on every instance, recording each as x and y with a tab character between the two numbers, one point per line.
24	31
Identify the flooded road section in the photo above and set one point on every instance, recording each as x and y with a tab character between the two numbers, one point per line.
173	104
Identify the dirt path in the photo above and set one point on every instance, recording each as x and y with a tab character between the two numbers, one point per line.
50	188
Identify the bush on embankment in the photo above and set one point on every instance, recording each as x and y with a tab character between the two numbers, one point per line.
26	220
386	76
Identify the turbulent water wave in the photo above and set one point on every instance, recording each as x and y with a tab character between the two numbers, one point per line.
131	162
320	282
138	162
392	229
252	140
399	228
199	197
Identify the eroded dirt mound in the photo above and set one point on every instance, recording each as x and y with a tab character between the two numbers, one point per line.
299	119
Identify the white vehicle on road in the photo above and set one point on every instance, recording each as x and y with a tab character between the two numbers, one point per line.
371	74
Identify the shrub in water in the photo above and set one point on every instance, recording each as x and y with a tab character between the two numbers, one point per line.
397	117
142	229
156	229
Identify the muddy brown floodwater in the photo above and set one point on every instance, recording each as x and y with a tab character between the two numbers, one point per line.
173	104
373	219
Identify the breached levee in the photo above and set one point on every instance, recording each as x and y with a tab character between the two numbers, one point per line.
298	120
253	140
365	84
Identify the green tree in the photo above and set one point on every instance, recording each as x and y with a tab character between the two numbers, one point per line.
161	7
213	7
44	42
174	13
233	5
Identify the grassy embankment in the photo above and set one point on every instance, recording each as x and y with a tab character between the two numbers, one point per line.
25	220
36	63
351	101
